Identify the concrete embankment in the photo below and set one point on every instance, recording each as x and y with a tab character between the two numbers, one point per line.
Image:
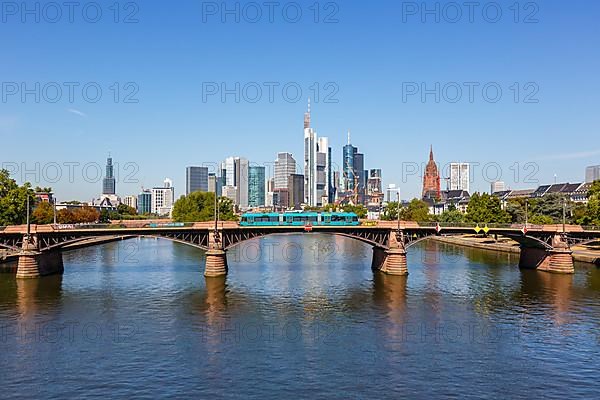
580	253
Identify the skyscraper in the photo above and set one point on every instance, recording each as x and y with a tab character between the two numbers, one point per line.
234	172
316	165
460	176
592	173
431	179
214	184
296	191
109	185
285	165
256	186
196	179
374	187
354	174
144	202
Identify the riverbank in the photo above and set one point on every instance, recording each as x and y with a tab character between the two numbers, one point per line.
585	254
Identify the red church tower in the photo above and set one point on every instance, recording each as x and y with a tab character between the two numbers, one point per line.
431	179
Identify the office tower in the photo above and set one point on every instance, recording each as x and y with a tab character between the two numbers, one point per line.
331	188
196	179
392	192
431	179
497	186
163	198
281	199
336	184
230	192
374	188
354	175
285	165
459	176
256	186
348	168
592	173
214	184
235	173
296	191
144	202
316	165
109	185
131	201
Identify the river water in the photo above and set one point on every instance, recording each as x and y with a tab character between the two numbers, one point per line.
302	316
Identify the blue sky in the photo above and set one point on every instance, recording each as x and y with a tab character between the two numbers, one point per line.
370	58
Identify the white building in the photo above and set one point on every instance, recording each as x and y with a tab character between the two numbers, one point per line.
130	201
460	176
163	199
498	186
235	171
316	165
285	165
230	192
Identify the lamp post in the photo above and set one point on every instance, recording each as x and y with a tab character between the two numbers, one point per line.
564	214
28	219
398	211
526	212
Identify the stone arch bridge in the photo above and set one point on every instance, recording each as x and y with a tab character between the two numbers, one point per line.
546	248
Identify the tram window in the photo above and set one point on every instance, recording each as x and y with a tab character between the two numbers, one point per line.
261	219
336	218
273	219
298	219
312	218
244	219
355	219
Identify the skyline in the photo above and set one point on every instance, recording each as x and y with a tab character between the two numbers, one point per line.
175	122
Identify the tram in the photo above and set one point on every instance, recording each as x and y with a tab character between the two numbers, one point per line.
300	219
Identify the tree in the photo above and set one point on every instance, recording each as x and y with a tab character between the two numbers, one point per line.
124	209
417	210
200	207
452	216
487	209
43	213
359	210
390	212
13	200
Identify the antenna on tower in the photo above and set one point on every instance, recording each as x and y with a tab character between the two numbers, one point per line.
348	136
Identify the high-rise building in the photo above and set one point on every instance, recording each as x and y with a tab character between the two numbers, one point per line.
196	179
392	192
230	192
431	179
234	172
256	186
144	202
109	185
497	186
374	187
163	198
354	175
592	173
296	191
316	165
130	201
336	184
285	165
214	184
460	178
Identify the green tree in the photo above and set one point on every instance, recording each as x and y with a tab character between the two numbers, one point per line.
359	210
417	210
487	209
124	209
390	212
200	207
592	211
13	200
452	216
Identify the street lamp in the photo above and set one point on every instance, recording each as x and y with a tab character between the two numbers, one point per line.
398	210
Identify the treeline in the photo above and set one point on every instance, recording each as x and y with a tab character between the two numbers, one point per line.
200	207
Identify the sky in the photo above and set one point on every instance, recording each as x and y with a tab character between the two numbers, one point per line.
511	87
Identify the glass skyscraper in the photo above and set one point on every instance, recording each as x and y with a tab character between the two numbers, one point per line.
256	186
109	185
196	179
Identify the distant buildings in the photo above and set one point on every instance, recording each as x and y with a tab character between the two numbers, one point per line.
497	186
234	175
354	177
295	191
592	173
131	201
374	188
460	176
196	179
285	165
109	184
214	184
163	199
392	192
144	202
317	164
431	179
256	186
575	192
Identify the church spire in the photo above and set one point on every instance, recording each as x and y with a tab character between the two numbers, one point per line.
431	153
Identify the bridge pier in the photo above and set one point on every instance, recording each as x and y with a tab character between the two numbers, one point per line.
216	257
558	259
391	261
32	263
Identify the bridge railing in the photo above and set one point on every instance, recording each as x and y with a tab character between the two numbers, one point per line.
475	224
2	228
590	228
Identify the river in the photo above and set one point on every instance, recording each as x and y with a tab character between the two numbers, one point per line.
301	316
